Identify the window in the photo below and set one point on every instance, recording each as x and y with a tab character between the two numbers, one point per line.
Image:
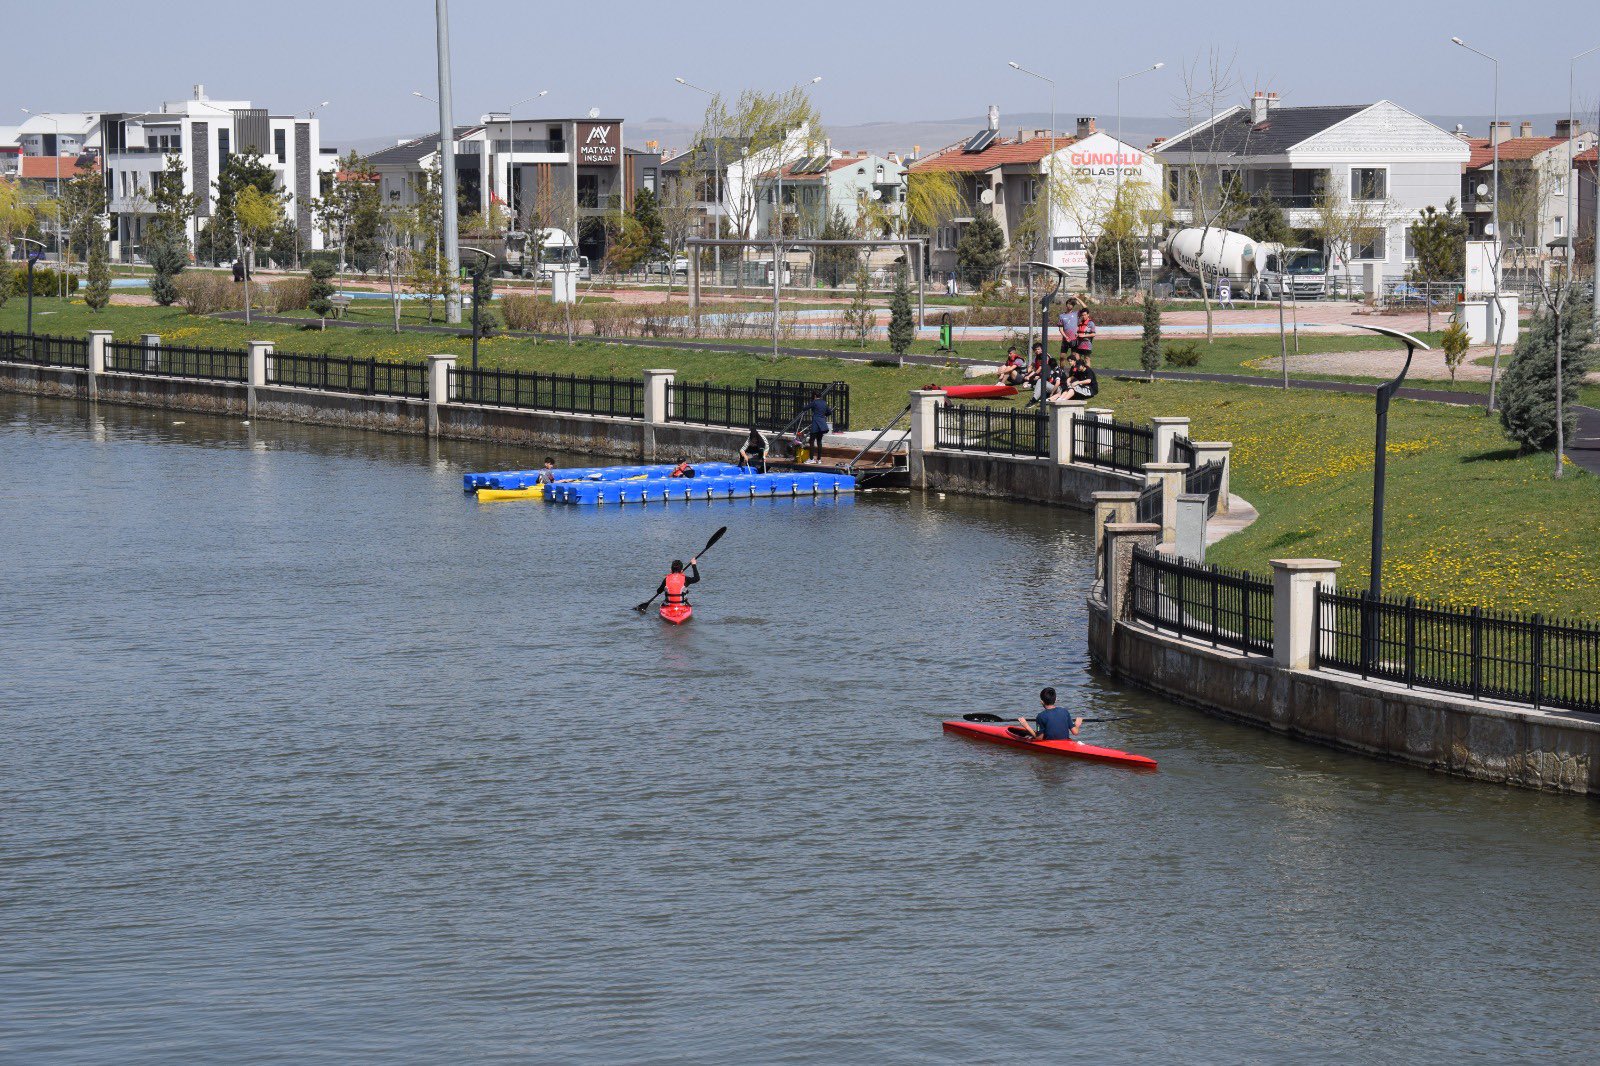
1558	220
1306	187
588	190
1369	183
222	147
1375	247
1411	244
278	147
650	178
557	138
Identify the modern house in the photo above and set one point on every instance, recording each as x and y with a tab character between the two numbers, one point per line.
1374	164
815	187
1534	172
702	167
543	170
203	133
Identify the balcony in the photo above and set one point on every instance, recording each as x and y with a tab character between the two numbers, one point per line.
503	147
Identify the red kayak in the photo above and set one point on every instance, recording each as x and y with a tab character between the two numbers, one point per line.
677	614
977	392
999	734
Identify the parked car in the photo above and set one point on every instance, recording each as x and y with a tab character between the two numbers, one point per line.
676	265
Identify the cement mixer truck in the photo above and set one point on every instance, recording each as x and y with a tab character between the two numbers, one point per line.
1251	268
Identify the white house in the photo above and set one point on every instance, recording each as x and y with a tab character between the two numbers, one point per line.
814	187
203	133
747	184
1378	161
1088	171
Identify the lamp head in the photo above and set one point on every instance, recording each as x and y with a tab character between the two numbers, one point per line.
1458	41
1158	66
680	81
1014	66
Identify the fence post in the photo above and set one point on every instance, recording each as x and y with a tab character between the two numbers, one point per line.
1063	417
98	339
439	367
151	343
1170	477
924	437
1295	626
1167	430
255	376
1099	439
1110	507
1190	527
657	408
1210	451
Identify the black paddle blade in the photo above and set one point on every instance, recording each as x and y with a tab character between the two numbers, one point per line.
640	608
714	538
981	716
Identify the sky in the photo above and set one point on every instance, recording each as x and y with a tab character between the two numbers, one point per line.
891	62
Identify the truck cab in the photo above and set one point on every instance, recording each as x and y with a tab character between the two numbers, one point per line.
1295	273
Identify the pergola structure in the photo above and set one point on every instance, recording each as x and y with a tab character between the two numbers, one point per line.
915	249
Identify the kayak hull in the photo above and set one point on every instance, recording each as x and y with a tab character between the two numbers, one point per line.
533	492
998	734
676	615
979	392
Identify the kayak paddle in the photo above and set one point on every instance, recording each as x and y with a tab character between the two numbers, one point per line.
982	716
641	608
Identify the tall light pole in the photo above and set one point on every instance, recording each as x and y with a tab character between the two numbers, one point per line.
716	185
1049	212
1121	162
1494	208
33	257
447	171
511	139
1385	393
779	213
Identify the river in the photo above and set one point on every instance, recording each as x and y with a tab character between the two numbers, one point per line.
308	757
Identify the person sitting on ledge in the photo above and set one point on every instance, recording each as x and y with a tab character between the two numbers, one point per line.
1013	370
683	469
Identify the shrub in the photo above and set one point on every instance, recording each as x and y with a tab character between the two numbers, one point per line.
525	311
1454	343
1150	345
45	281
1183	355
319	292
206	293
168	256
287	294
1528	390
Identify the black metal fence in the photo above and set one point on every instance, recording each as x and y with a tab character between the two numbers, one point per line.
1498	654
45	349
1006	430
1148	506
568	393
178	361
1119	445
333	373
1206	480
1230	608
1182	451
770	404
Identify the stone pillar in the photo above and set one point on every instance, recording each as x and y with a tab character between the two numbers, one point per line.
1100	439
1168	430
439	367
657	408
1063	417
151	343
1210	451
1109	507
1120	540
256	374
925	404
98	339
1190	540
1294	608
1170	477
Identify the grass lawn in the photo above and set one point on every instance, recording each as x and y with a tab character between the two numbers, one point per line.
1469	519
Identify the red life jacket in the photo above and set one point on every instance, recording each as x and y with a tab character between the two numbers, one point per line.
675	587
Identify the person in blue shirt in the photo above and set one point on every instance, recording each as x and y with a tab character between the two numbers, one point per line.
1053	723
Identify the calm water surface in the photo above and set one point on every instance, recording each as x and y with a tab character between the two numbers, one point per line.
305	756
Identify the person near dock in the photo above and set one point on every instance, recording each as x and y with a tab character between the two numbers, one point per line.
1052	722
753	452
820	413
676	583
683	469
547	474
1082	382
1068	323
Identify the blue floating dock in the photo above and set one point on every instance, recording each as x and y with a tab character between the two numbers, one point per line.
706	485
522	479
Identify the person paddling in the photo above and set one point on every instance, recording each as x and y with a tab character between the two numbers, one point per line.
547	473
676	584
1052	723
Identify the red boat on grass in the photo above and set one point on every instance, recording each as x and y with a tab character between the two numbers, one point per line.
976	392
1001	734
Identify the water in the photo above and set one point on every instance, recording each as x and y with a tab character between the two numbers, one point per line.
307	757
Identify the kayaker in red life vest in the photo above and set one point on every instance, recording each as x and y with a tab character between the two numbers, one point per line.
1053	723
683	469
676	584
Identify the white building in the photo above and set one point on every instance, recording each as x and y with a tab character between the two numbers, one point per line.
813	188
1376	160
1089	170
1534	174
203	132
747	184
60	133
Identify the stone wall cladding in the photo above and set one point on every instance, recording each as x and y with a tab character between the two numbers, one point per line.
200	166
302	181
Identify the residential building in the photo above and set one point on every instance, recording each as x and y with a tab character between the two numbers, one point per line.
543	169
1534	172
703	166
813	188
750	178
1373	164
204	133
60	133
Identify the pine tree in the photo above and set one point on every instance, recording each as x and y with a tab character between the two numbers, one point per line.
1528	389
981	250
321	302
654	233
1266	223
902	326
1150	346
98	292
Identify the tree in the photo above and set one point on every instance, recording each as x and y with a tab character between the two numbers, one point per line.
653	229
1150	344
835	263
860	316
422	226
351	212
17	215
981	250
1344	226
679	219
483	299
902	324
321	302
1266	223
933	197
1439	239
1454	345
627	244
256	214
1528	390
98	291
83	203
242	170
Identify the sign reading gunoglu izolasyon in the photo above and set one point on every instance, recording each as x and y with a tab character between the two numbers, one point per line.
599	143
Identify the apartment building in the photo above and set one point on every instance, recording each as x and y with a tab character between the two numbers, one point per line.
1534	174
1378	160
856	183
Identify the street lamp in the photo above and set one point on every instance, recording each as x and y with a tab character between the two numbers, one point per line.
716	180
511	139
1049	213
1122	163
1494	142
479	276
33	257
1385	394
447	170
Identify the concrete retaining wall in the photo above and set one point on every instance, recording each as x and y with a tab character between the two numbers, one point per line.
1019	478
1489	742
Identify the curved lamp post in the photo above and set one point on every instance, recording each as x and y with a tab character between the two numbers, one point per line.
1385	394
33	257
1044	302
479	274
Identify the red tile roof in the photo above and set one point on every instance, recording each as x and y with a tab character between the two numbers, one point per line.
997	154
1591	157
44	167
1511	150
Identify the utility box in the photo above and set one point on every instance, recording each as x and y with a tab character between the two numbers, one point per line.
1482	268
564	285
1478	315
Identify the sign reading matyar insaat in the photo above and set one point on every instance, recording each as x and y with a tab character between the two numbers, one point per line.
598	142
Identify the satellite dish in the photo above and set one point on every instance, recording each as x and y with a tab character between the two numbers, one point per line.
986	196
1482	190
1488	229
876	194
594	112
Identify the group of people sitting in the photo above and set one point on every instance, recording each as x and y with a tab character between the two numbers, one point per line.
1072	376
